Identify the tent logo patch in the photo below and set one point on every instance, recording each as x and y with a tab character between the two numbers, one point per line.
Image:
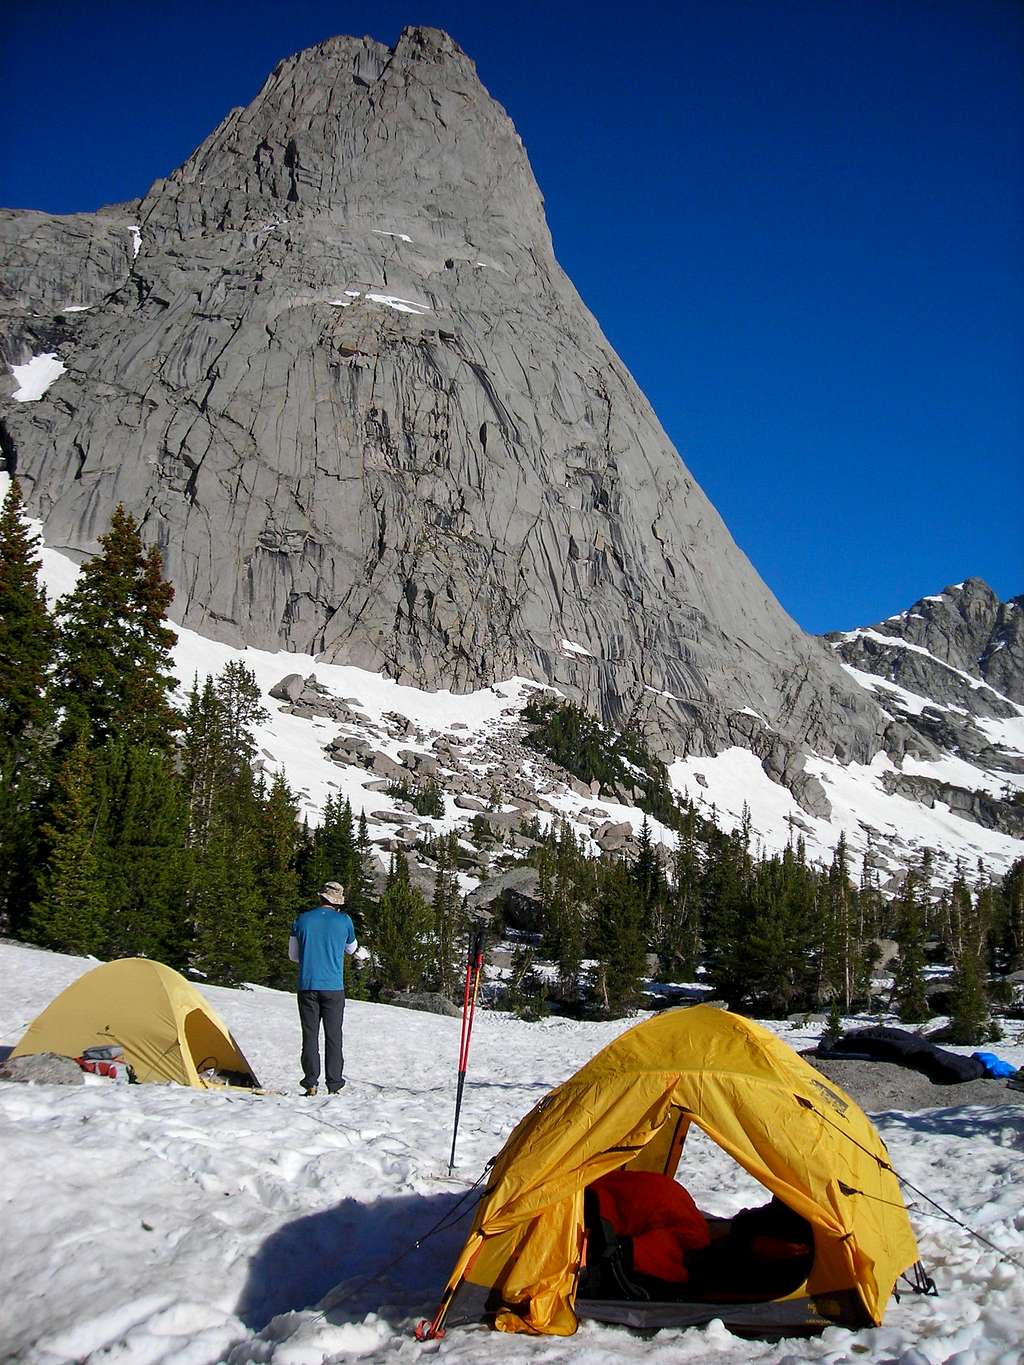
837	1103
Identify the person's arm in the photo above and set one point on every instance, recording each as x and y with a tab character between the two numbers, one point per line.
351	945
293	948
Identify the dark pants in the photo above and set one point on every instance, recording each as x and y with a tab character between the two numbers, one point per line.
327	1008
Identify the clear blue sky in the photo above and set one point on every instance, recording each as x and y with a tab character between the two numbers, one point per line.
799	222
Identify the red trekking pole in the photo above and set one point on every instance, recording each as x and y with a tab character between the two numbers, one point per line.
474	971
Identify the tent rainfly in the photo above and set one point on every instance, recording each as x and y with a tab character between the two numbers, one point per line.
630	1108
167	1031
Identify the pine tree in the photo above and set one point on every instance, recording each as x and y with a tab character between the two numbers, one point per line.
400	932
27	638
27	635
649	878
839	943
566	892
727	892
226	908
141	832
908	991
1008	928
618	940
113	677
448	920
70	911
869	919
970	1021
678	942
277	878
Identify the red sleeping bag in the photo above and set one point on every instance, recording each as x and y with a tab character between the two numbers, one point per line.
660	1217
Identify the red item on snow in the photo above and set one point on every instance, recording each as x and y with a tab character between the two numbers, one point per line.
114	1071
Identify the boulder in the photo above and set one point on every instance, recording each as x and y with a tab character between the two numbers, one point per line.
289	688
516	894
387	767
43	1068
429	1002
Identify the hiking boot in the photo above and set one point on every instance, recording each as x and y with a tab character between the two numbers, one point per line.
333	1089
309	1089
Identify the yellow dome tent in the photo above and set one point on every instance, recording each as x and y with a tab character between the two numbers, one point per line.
630	1107
167	1031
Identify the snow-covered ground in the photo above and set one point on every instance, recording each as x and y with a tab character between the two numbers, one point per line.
153	1225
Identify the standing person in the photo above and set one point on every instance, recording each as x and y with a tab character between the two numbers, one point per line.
319	941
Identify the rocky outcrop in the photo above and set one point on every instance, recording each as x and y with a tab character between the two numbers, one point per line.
346	387
962	647
950	669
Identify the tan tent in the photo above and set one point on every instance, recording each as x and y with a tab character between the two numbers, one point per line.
165	1028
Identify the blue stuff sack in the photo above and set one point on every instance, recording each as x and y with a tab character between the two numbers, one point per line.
994	1066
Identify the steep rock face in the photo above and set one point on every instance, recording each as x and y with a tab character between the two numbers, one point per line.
349	391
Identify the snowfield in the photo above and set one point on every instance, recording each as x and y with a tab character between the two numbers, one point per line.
153	1225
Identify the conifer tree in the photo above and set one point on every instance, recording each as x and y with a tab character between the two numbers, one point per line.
1008	926
839	944
277	878
448	920
27	638
649	879
908	991
141	834
566	893
780	936
618	940
727	883
225	907
678	942
970	1021
331	852
400	932
869	916
113	676
70	911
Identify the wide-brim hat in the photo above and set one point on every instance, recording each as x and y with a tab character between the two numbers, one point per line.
333	893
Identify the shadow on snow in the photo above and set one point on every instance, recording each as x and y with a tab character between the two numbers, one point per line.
348	1256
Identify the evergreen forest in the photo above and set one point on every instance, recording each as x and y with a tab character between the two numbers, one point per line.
135	821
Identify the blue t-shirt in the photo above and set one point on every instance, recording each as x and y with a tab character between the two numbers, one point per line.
322	934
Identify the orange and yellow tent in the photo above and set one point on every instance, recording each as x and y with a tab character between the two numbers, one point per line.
630	1107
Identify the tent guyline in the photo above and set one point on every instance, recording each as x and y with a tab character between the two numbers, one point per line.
945	1213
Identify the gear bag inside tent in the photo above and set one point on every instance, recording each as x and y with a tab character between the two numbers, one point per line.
166	1030
571	1223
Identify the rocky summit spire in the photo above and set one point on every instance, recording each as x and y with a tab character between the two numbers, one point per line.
332	364
359	133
